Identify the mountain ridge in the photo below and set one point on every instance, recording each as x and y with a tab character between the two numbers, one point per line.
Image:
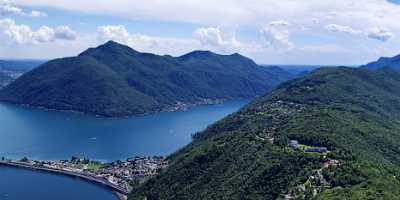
393	62
353	113
127	82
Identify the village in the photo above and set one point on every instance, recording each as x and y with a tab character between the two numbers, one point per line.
118	175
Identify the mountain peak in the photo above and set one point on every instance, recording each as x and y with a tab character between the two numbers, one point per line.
109	47
198	53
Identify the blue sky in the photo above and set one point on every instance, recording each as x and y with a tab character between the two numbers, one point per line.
329	32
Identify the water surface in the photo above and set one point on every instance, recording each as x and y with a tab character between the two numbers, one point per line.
49	135
52	135
22	184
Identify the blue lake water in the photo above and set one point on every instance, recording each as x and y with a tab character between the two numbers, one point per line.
48	135
20	184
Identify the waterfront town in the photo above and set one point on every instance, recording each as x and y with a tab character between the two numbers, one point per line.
117	175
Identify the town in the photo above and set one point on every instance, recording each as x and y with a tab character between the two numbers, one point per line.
118	175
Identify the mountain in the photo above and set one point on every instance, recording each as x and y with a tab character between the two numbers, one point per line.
114	80
19	65
299	70
332	134
4	79
393	62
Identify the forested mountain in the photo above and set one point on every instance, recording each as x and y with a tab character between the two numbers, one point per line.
332	134
114	80
393	62
4	79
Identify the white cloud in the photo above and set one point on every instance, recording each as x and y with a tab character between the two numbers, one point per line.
342	29
279	23
215	39
23	34
35	13
375	33
308	20
315	20
65	32
118	33
206	38
146	43
276	35
381	34
8	9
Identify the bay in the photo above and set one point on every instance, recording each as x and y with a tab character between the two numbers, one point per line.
49	135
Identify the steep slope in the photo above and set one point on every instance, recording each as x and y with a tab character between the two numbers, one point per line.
352	112
115	80
81	84
393	62
4	79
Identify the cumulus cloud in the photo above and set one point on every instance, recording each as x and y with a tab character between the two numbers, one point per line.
118	33
23	34
145	43
65	33
308	21
8	9
211	36
35	13
381	34
276	35
206	38
375	33
279	23
342	29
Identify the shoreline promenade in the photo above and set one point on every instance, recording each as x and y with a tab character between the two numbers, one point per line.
103	182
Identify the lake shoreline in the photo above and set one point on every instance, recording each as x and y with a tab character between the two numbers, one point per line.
115	176
179	107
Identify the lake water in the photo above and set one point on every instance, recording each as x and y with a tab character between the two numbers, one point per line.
21	184
48	135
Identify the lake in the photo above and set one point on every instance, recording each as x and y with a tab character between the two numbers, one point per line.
48	135
21	184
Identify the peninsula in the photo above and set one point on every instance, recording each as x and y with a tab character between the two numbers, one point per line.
119	176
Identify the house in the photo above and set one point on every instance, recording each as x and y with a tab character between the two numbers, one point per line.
294	144
317	149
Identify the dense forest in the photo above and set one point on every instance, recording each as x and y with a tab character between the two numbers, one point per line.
4	79
114	80
352	114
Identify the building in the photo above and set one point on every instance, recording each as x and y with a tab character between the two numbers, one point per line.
294	144
317	149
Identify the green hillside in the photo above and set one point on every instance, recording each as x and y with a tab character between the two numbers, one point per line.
354	113
114	80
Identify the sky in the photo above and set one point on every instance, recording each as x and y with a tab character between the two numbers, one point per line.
328	32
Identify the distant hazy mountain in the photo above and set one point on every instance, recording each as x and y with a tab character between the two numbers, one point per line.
20	65
297	69
393	62
115	80
354	113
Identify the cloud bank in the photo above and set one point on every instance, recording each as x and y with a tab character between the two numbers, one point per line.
23	34
8	9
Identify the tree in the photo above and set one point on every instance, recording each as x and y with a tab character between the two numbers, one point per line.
24	159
